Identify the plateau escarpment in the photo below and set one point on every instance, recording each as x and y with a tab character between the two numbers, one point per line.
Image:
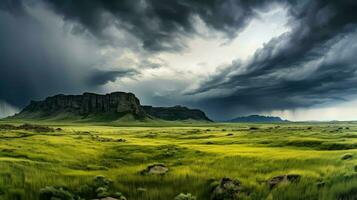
108	107
114	104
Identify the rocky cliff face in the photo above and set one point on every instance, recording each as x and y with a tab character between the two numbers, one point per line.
88	103
175	113
108	107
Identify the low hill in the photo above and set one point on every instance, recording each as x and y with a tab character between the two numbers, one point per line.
175	113
116	106
257	118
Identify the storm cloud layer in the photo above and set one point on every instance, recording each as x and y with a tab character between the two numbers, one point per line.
69	46
312	64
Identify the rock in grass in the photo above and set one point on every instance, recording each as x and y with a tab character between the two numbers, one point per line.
141	189
227	189
347	156
107	198
287	177
183	196
159	169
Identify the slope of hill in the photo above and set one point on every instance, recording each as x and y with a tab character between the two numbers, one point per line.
116	106
257	118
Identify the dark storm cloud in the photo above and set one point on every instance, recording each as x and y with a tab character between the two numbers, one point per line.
301	68
12	6
159	24
37	59
103	77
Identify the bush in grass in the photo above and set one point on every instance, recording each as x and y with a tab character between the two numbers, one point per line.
51	192
183	196
102	181
99	188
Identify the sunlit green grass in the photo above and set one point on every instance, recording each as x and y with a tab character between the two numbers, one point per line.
196	155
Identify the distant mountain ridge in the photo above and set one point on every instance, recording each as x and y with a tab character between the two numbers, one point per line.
109	107
257	118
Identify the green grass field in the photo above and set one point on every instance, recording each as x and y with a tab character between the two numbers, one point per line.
197	155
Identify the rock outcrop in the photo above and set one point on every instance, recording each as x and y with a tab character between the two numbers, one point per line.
108	107
228	189
158	169
175	113
88	103
281	178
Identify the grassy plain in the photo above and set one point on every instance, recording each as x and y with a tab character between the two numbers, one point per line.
196	155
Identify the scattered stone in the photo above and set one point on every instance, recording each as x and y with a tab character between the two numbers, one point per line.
28	127
36	128
287	177
347	156
253	128
105	139
183	196
227	189
229	134
159	169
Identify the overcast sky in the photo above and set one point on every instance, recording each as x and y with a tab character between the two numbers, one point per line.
295	59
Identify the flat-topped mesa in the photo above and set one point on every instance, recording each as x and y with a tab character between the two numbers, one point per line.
176	113
89	103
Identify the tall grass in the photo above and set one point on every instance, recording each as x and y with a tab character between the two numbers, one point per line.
196	156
